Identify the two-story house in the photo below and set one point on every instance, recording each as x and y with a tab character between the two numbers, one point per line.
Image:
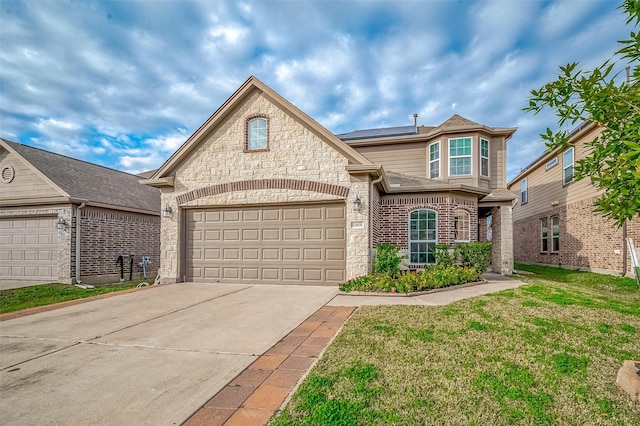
263	193
554	222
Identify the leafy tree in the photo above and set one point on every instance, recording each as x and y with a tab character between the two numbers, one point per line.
604	97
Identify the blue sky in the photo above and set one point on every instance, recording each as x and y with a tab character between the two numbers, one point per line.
124	83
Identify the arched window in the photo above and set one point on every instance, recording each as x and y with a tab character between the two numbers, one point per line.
461	225
257	132
423	229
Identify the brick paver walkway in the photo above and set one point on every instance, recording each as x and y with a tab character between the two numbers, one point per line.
255	394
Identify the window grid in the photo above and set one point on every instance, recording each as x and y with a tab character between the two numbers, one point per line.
555	237
460	157
434	160
567	166
544	234
423	226
461	226
524	196
484	157
257	133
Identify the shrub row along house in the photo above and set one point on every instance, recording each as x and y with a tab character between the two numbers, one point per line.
263	193
67	220
554	222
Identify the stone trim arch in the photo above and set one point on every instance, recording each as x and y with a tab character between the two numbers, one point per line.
301	185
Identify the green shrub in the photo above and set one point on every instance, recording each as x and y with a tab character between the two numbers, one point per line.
477	255
387	260
445	254
407	282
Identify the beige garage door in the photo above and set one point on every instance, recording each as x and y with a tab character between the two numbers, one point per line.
294	244
29	249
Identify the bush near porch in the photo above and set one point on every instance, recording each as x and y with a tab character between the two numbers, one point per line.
455	265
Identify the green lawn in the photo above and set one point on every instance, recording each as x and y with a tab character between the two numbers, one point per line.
545	353
47	294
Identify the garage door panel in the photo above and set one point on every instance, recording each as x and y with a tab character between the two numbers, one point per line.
272	244
212	217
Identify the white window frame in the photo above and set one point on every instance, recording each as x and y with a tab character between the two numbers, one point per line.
470	156
468	239
544	234
437	160
426	241
482	157
555	237
551	163
524	192
565	167
250	133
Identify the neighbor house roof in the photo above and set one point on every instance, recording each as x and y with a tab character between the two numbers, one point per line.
81	181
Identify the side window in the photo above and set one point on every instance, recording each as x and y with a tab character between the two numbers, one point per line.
544	234
434	160
555	237
423	226
461	225
567	166
524	196
257	133
484	157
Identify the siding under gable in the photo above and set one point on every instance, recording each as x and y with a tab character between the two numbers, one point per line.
407	158
26	184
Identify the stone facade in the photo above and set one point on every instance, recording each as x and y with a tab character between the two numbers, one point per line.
294	153
588	241
502	240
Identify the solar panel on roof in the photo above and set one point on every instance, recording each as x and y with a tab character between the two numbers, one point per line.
378	133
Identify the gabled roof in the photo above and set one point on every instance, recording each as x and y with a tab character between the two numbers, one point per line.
81	181
162	176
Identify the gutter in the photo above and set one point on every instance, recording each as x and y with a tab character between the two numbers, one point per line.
78	221
624	249
371	185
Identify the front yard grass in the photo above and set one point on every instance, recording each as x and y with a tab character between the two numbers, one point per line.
542	354
47	294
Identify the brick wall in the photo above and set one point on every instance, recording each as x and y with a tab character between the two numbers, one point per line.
587	240
106	234
395	209
482	229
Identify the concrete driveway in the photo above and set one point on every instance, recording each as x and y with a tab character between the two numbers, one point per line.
149	357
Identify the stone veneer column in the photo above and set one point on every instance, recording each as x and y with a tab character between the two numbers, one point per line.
502	238
358	230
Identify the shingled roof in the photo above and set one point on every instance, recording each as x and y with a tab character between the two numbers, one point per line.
90	182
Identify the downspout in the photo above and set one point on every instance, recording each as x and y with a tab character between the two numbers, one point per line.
373	182
624	248
78	220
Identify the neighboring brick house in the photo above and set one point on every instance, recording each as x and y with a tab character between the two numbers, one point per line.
42	194
263	193
554	222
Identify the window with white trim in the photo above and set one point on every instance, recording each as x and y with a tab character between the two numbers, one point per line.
257	134
423	226
544	234
461	226
434	160
484	157
460	157
551	163
567	166
524	196
555	233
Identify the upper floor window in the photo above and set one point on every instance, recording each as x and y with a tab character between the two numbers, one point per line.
459	156
257	134
567	166
484	157
461	225
423	225
524	197
434	160
551	163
